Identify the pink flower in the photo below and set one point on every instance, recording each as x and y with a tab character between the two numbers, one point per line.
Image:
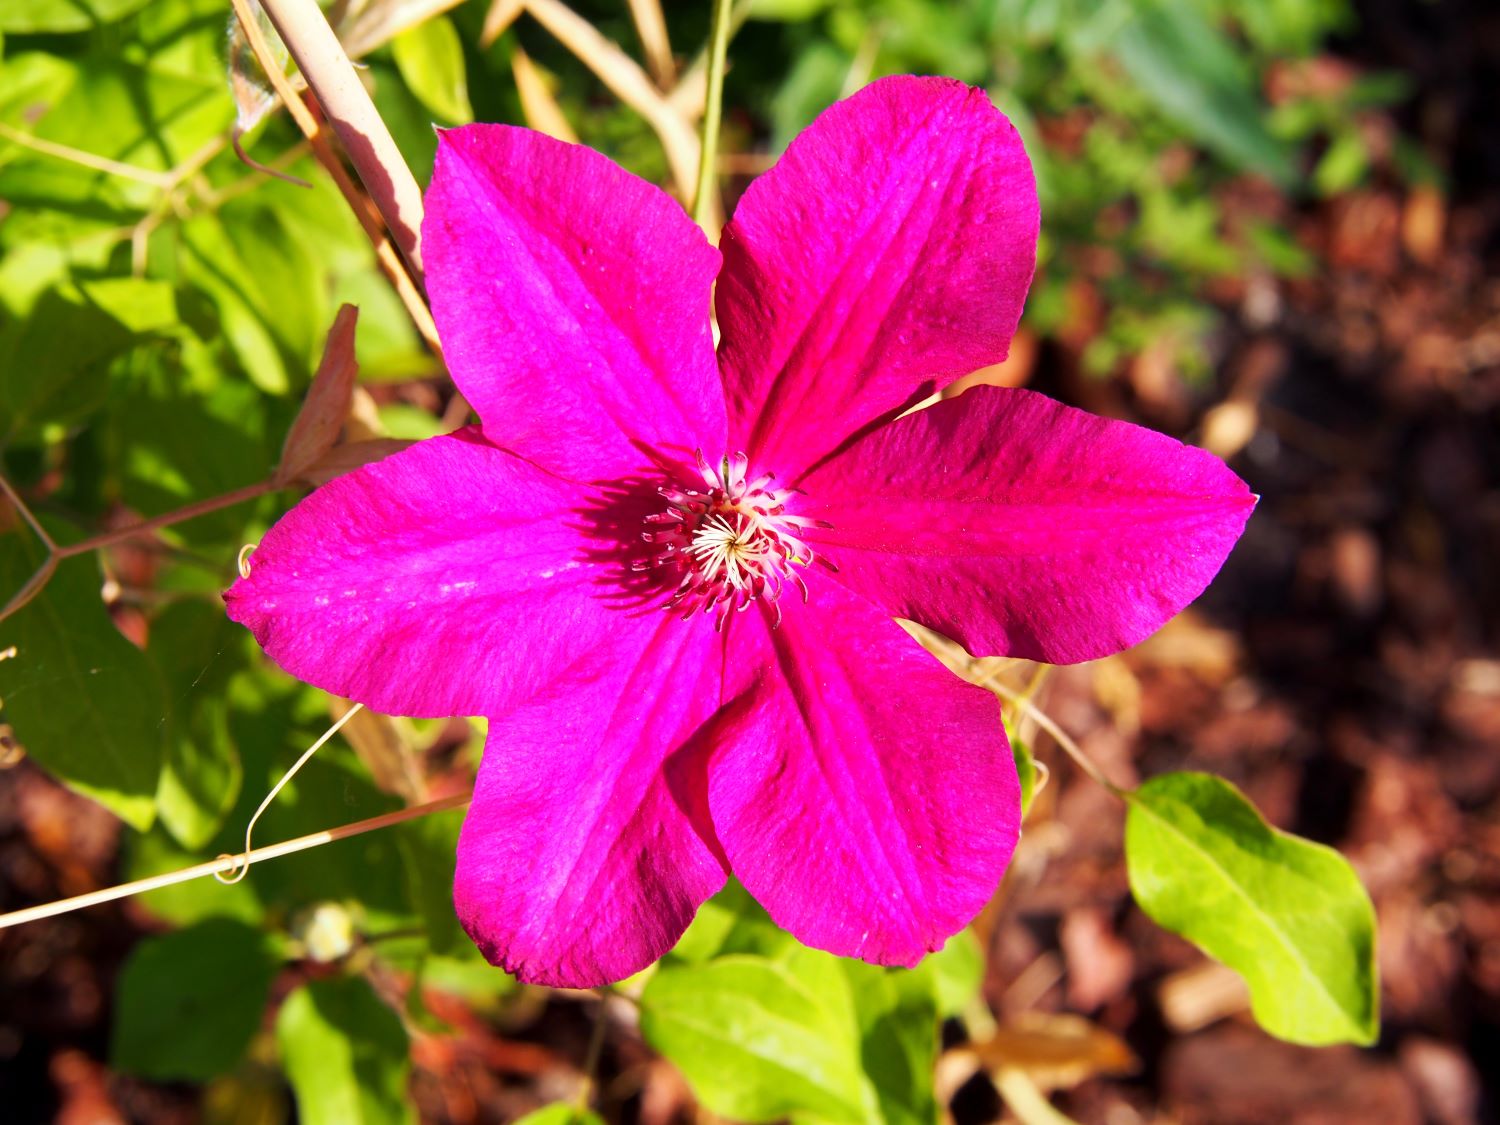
776	723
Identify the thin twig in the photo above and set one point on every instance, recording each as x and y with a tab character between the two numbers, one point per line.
538	105
651	26
33	587
691	92
87	159
1060	736
235	874
705	194
625	78
332	77
31	521
595	1050
228	863
177	515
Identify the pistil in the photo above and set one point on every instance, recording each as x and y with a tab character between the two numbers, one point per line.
730	543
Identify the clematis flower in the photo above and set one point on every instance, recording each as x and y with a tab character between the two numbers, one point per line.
669	577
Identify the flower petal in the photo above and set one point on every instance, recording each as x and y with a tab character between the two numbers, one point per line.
448	579
572	299
587	848
1022	527
887	253
866	797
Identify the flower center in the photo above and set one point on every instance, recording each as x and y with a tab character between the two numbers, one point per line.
729	543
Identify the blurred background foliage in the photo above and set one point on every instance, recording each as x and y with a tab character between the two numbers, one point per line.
162	308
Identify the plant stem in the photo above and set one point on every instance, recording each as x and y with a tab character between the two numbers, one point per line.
333	80
386	256
166	519
628	81
1060	736
228	863
595	1050
713	111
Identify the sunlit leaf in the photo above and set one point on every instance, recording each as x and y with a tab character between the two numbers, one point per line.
561	1113
196	649
345	1053
31	16
760	1039
1288	915
431	59
957	972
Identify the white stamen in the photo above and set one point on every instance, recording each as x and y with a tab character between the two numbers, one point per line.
733	541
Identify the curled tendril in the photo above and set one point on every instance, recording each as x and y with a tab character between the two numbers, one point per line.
240	864
244	562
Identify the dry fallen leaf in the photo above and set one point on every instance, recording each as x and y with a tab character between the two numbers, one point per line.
1056	1051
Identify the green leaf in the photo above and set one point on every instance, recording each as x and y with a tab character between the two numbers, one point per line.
428	847
561	1113
764	1028
194	646
1026	770
345	1053
957	972
897	1013
32	16
189	1002
431	60
85	702
1343	166
1196	78
759	1039
731	922
1288	915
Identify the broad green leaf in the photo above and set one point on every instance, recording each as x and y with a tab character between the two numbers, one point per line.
345	1053
1288	915
24	17
561	1113
29	80
730	922
428	849
760	1039
795	1032
957	972
85	702
898	1016
431	60
189	1002
194	646
178	445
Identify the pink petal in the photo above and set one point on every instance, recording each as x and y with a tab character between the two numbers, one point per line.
451	578
585	852
866	797
572	299
887	253
1022	527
